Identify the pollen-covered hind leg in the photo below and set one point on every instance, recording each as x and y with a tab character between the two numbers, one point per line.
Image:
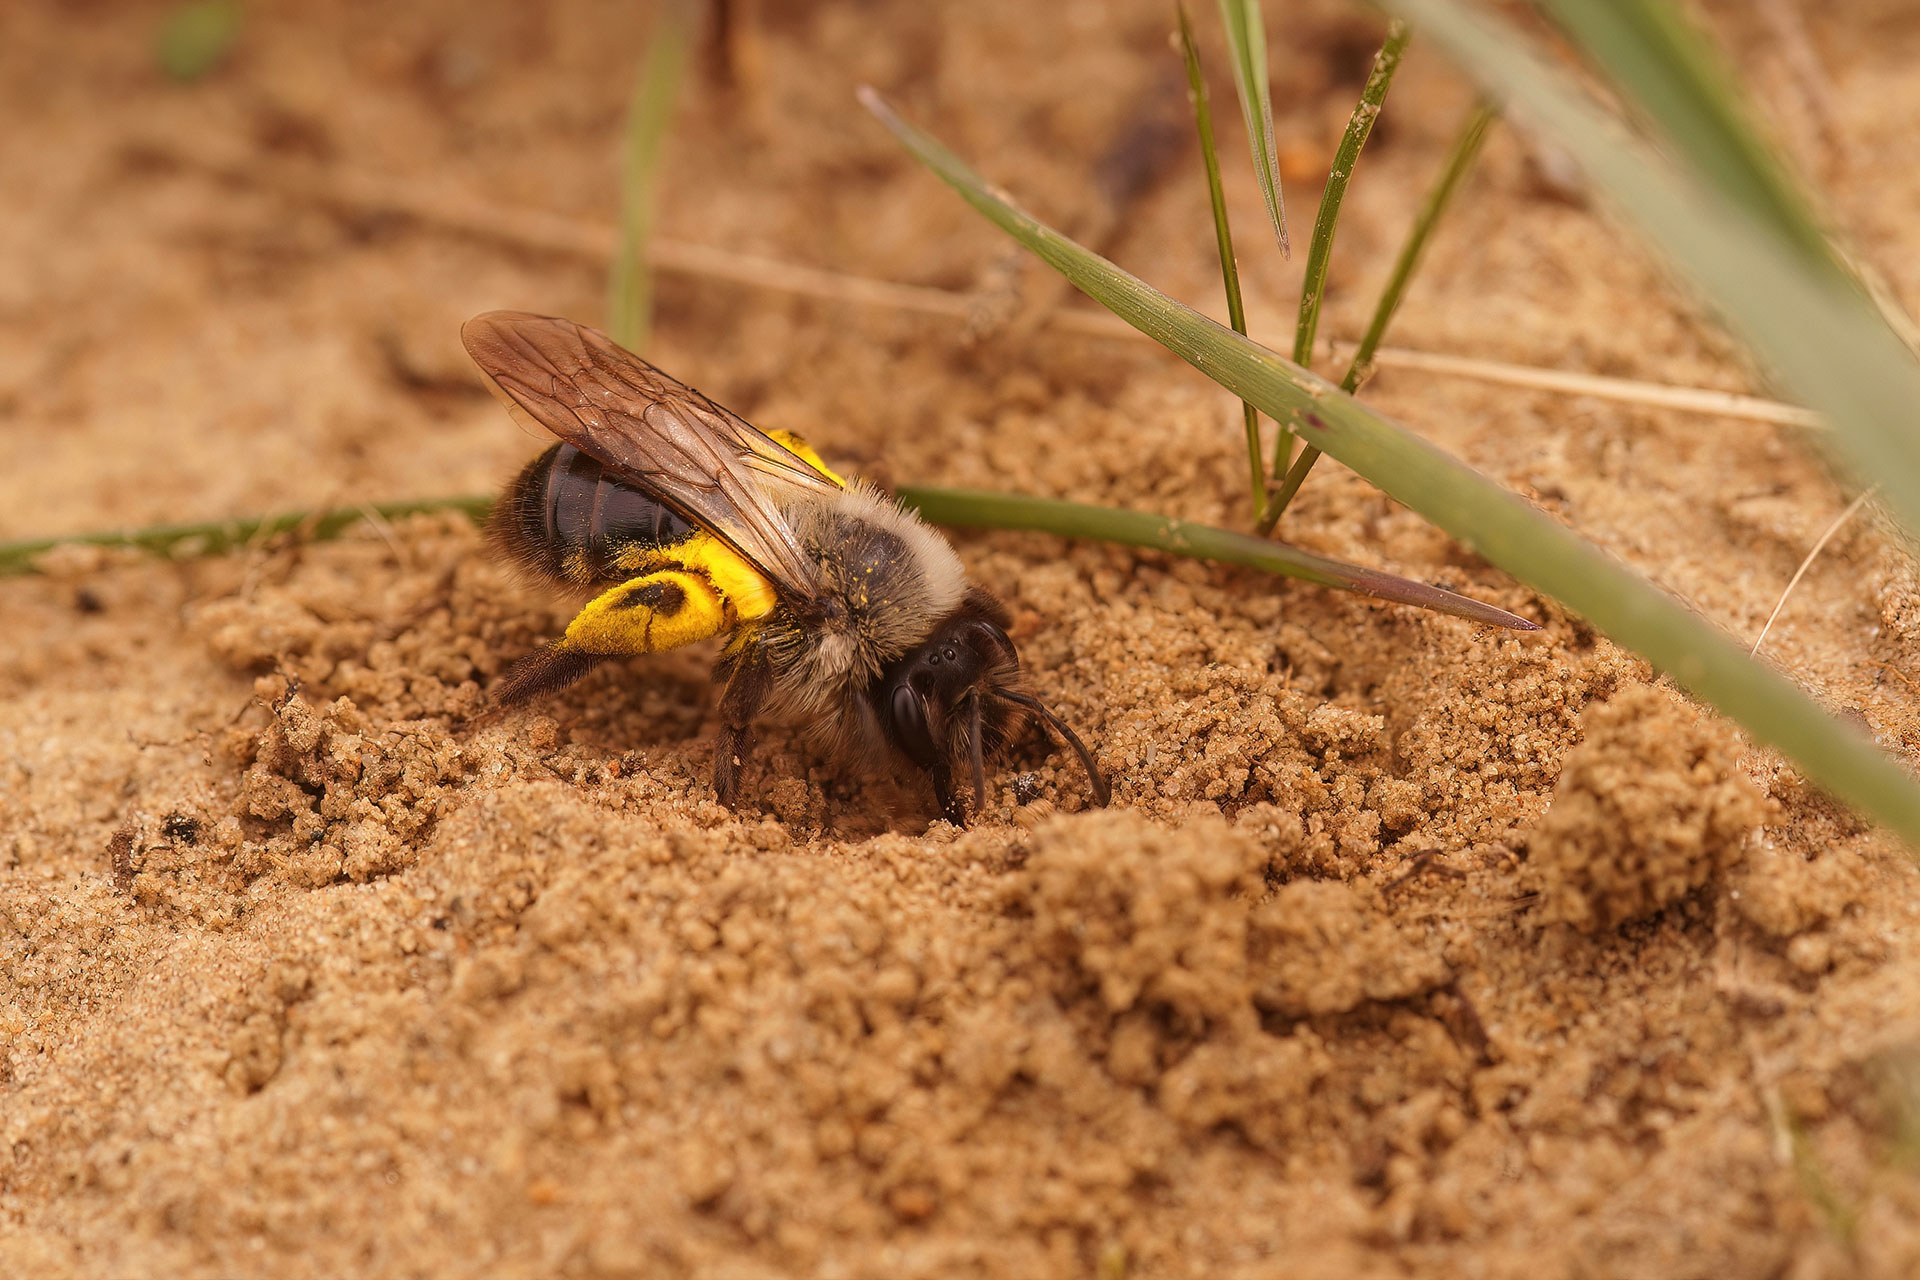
656	611
692	590
649	614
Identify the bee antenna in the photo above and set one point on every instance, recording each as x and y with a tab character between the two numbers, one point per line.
1101	793
978	747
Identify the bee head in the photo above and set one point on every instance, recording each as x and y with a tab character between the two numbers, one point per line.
957	698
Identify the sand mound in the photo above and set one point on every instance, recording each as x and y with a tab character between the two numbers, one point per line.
1649	807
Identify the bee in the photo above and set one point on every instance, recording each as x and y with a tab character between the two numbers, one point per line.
842	611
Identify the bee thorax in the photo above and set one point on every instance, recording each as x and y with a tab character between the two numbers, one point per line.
887	580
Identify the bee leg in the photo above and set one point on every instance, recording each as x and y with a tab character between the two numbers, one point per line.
952	807
542	672
671	606
748	679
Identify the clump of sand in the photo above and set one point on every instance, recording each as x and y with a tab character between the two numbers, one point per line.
1650	807
1195	976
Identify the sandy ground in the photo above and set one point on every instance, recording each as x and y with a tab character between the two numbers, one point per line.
1406	948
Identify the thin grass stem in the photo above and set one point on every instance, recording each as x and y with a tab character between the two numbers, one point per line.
1223	236
1459	160
649	116
1820	544
981	509
965	508
1313	285
215	537
1359	127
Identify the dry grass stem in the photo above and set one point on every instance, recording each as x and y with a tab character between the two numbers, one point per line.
438	205
1819	545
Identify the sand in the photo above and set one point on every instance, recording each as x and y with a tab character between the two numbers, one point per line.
1407	946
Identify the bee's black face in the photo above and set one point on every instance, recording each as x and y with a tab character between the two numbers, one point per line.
957	699
935	705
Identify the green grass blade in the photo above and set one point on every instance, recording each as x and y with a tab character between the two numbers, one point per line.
1679	83
961	508
1223	236
1247	42
1313	285
214	537
1459	160
195	38
649	116
981	509
1486	518
1359	128
1809	324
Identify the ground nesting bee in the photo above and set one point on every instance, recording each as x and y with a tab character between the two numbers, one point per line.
841	610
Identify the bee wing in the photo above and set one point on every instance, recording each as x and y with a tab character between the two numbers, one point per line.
708	464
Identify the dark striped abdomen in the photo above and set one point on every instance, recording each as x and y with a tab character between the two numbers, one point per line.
564	517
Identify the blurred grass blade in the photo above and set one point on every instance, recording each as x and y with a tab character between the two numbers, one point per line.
1247	42
982	509
1359	127
214	537
1680	84
1459	160
1819	334
1486	518
649	116
196	37
1223	236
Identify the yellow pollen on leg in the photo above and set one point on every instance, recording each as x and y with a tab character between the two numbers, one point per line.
662	610
743	587
680	594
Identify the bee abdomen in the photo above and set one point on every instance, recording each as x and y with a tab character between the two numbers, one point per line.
564	517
